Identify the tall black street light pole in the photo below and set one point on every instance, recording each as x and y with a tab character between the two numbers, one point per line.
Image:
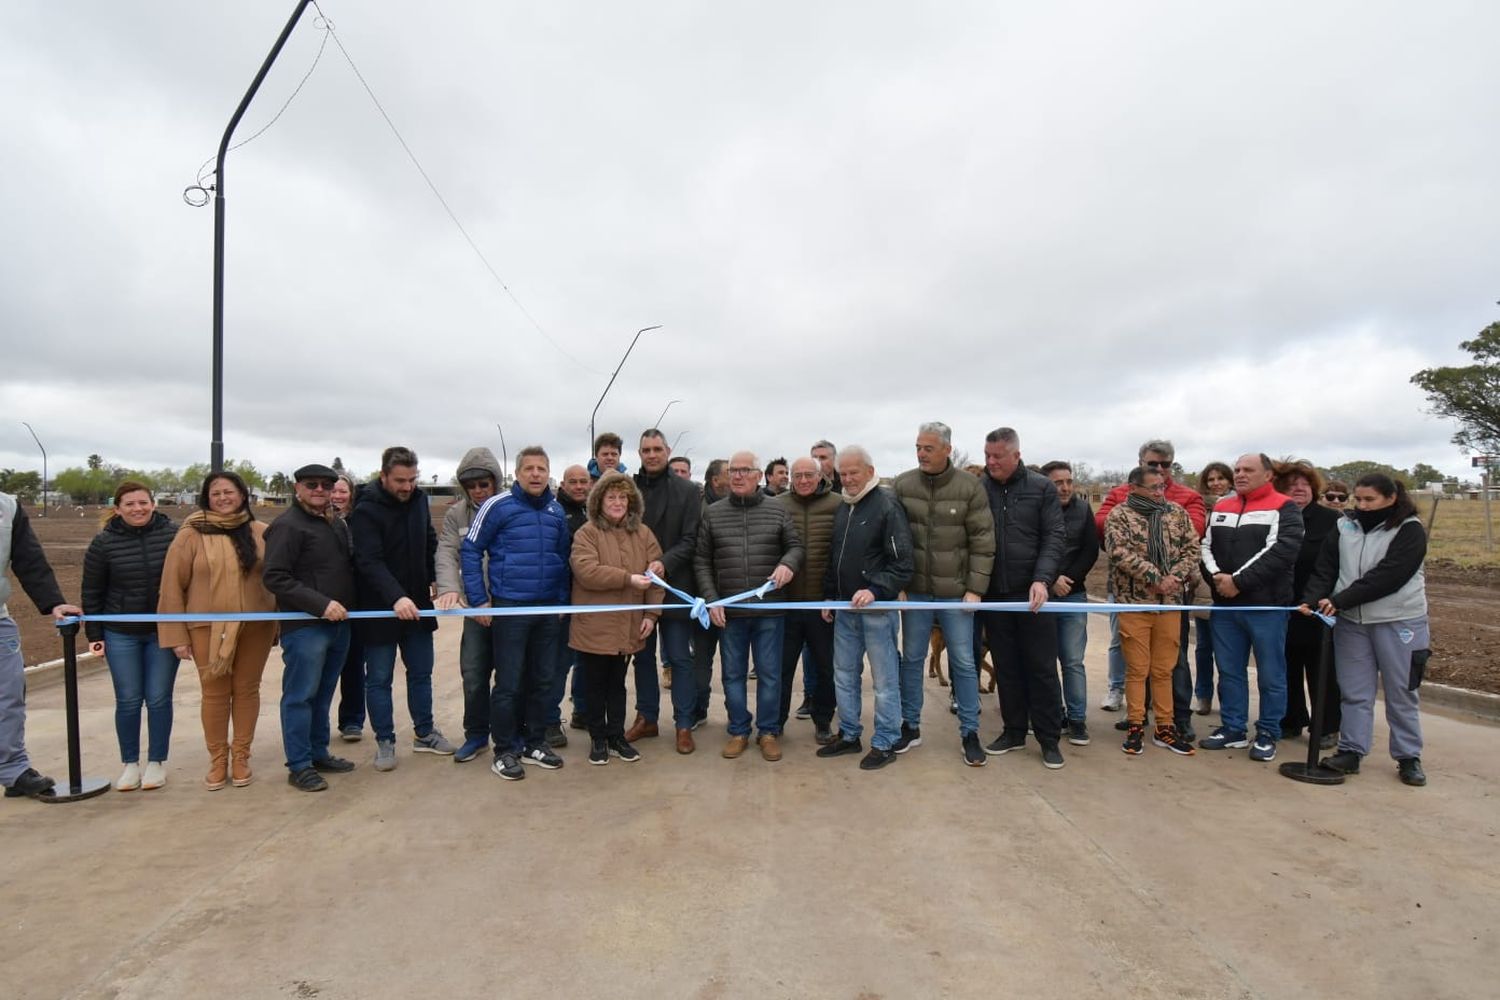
504	459
216	446
44	466
637	336
664	410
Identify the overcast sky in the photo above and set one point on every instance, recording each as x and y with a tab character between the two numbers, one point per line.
1240	226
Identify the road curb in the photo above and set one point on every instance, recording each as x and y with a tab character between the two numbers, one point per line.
49	673
1457	699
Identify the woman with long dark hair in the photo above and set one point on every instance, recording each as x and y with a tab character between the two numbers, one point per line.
1370	576
1301	481
122	576
215	564
1214	481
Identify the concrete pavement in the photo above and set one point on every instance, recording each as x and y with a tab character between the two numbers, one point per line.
699	877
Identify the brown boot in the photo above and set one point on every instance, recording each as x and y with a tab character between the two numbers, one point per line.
736	746
218	770
685	743
239	769
640	729
770	746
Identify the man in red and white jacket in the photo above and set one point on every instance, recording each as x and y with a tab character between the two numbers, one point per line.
1249	553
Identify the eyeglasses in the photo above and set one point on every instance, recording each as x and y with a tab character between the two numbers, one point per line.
1153	464
317	484
1333	497
741	470
806	475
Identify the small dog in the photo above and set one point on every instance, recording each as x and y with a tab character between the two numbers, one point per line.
935	661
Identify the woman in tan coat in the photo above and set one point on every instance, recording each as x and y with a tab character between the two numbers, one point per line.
215	564
610	555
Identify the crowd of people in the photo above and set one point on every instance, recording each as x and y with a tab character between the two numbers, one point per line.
822	530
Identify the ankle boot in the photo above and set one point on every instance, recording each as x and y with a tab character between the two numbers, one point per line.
239	768
218	769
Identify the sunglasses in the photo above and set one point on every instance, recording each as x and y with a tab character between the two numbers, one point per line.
318	484
1336	497
1158	465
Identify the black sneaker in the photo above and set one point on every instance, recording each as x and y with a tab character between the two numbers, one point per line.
599	752
508	766
307	780
619	748
911	738
1168	738
1134	740
542	756
1410	770
1004	744
333	765
577	721
1122	726
1345	762
876	759
700	720
29	784
973	753
1078	733
804	710
1052	758
841	746
555	736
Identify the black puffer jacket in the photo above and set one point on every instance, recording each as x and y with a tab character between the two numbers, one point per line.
673	506
1080	543
871	549
1029	537
308	563
395	556
122	572
740	542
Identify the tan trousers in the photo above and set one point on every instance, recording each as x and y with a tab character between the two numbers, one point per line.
1149	640
236	695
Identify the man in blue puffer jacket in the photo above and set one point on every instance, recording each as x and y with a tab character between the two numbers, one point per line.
525	535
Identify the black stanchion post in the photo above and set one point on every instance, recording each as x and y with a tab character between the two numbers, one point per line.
1311	771
78	787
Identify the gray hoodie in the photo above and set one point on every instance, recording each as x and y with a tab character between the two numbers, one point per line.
456	522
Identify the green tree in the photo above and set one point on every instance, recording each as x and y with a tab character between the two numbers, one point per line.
85	485
1422	474
280	484
95	463
1469	394
168	480
24	486
338	464
247	471
1349	472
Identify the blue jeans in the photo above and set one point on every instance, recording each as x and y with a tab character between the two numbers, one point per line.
314	661
760	635
1235	635
1072	643
647	684
675	638
1116	657
1204	651
380	667
525	653
958	634
143	672
857	634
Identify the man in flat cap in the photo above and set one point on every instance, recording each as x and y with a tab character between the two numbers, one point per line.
309	567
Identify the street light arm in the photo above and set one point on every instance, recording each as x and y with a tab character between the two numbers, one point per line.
44	465
644	329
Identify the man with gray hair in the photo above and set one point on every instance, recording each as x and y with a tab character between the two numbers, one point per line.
953	543
827	458
742	541
1159	455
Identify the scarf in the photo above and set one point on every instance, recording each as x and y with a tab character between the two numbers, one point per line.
224	578
1156	542
853	499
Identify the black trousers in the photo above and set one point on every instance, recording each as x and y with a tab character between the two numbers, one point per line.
807	628
352	684
1304	644
1023	648
705	644
604	680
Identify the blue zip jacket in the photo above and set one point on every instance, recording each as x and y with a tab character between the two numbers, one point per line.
528	543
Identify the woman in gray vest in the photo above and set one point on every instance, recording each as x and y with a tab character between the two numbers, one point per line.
1369	574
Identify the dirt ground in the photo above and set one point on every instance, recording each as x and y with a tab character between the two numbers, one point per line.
1463	601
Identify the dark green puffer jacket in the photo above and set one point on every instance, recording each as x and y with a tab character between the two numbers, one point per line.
953	534
813	516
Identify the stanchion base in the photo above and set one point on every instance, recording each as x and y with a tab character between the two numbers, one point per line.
68	792
1313	774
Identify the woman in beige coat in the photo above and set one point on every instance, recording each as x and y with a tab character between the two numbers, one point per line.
610	555
215	564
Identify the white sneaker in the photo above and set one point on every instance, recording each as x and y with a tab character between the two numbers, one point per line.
154	776
1113	701
130	778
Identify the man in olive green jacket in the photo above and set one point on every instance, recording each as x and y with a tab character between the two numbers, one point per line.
812	504
953	541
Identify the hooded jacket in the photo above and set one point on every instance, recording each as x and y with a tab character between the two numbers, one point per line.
952	532
813	518
603	559
1029	535
741	541
122	572
870	549
1255	538
527	542
395	556
456	521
